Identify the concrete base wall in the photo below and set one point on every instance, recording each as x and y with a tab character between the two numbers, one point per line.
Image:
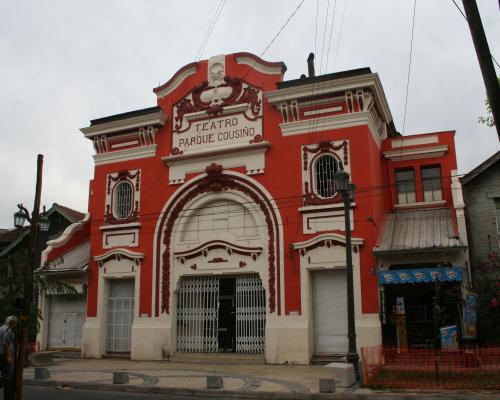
150	339
288	339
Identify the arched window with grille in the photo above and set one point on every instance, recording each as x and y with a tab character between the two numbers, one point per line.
324	169
123	200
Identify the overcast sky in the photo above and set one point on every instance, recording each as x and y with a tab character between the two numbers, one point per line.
64	62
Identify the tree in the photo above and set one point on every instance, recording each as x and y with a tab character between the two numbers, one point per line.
488	120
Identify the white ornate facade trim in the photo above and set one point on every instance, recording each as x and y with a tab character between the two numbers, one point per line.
125	155
118	254
416	153
64	238
250	156
154	119
371	81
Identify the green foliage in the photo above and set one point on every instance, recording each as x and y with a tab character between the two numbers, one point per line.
488	120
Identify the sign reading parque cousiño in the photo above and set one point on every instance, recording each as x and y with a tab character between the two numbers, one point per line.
218	132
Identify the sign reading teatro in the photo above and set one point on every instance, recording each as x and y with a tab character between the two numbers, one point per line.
219	131
223	111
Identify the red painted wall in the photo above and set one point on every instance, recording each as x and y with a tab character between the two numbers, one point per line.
370	171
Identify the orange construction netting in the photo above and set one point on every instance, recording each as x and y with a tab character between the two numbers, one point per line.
470	368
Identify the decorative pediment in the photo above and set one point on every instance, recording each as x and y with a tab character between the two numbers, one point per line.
119	254
220	112
327	240
206	248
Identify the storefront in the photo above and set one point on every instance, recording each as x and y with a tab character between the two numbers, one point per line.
417	303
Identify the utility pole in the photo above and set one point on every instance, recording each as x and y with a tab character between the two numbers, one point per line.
484	57
27	299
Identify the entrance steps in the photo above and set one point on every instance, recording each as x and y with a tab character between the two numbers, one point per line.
323	359
218	358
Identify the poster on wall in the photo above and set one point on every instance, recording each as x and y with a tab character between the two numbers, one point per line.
470	315
449	338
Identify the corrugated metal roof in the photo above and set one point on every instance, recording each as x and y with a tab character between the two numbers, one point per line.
74	260
418	230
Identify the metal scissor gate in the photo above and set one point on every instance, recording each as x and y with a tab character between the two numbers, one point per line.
212	317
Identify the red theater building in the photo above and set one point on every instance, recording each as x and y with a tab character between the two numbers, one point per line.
215	225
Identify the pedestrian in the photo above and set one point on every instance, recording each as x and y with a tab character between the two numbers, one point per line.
7	352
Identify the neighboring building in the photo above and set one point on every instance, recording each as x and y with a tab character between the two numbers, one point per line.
215	224
481	188
14	251
422	254
482	200
64	264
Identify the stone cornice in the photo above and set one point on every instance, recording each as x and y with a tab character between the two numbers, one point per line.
125	155
371	81
176	80
113	127
119	254
332	122
256	63
416	153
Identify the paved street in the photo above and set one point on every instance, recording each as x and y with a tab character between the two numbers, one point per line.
82	379
47	393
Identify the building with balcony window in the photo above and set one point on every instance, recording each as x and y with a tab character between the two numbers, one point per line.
215	225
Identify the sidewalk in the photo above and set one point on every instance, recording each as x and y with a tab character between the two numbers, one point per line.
240	381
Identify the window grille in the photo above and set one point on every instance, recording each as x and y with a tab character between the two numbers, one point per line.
431	183
326	166
405	184
123	200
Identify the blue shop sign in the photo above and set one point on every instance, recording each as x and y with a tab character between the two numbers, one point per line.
420	275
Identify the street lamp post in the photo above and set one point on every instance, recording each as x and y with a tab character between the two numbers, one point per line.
347	190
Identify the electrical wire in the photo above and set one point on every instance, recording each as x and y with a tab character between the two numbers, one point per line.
283	27
324	36
465	17
409	64
340	35
362	193
331	33
210	29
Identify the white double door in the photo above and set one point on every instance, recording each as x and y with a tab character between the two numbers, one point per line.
66	318
329	312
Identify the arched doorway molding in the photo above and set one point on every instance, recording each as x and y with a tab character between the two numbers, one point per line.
215	180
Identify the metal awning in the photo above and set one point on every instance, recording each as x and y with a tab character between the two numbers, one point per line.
420	275
418	231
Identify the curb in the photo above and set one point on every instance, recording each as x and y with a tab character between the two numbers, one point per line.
233	394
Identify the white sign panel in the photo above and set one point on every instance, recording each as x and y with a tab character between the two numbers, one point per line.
227	112
218	132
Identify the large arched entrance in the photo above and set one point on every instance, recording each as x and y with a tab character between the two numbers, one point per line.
218	272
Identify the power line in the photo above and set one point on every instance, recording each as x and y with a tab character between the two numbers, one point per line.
362	193
210	28
324	35
409	64
340	35
465	17
283	27
316	27
331	33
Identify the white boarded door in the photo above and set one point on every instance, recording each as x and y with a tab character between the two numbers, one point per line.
66	318
329	312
